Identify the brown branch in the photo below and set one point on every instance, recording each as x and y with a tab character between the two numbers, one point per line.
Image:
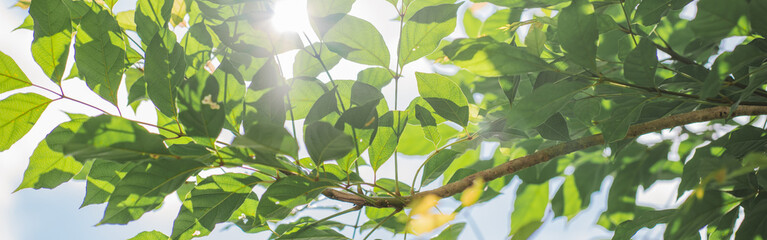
547	154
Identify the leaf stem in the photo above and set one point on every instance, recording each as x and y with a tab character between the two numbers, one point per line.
381	223
628	22
412	188
355	208
317	56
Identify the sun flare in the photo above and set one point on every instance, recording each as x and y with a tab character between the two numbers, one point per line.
290	15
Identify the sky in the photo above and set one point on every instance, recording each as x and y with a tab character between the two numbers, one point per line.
54	214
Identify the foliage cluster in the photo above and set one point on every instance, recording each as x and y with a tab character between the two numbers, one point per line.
586	76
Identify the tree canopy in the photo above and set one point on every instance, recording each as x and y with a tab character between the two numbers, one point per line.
562	88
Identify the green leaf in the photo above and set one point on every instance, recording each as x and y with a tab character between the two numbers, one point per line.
424	30
198	43
567	201
358	41
287	193
53	33
536	40
28	24
364	94
451	232
428	124
639	66
212	201
125	20
376	76
716	19
471	25
245	216
415	139
307	65
753	225
102	179
325	105
731	62
48	169
756	10
723	228
145	186
303	94
649	12
199	110
269	138
436	165
153	235
444	96
577	31
535	108
627	229
323	142
100	53
151	17
323	14
382	147
529	207
164	71
115	139
755	80
555	128
623	115
486	57
20	112
315	233
697	212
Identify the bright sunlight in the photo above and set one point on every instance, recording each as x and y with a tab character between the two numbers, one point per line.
290	15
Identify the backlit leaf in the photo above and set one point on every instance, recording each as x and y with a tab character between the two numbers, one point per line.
20	113
640	64
307	65
285	194
486	57
151	17
716	19
100	53
382	147
53	33
165	66
323	142
358	41
264	137
153	235
437	164
48	167
545	101
444	96
102	179
577	31
145	186
116	139
424	30
529	207
210	202
11	76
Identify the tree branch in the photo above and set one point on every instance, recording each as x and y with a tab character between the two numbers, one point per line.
547	154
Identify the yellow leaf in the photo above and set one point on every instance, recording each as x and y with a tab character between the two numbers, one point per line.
427	223
422	206
472	194
178	12
23	4
720	175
